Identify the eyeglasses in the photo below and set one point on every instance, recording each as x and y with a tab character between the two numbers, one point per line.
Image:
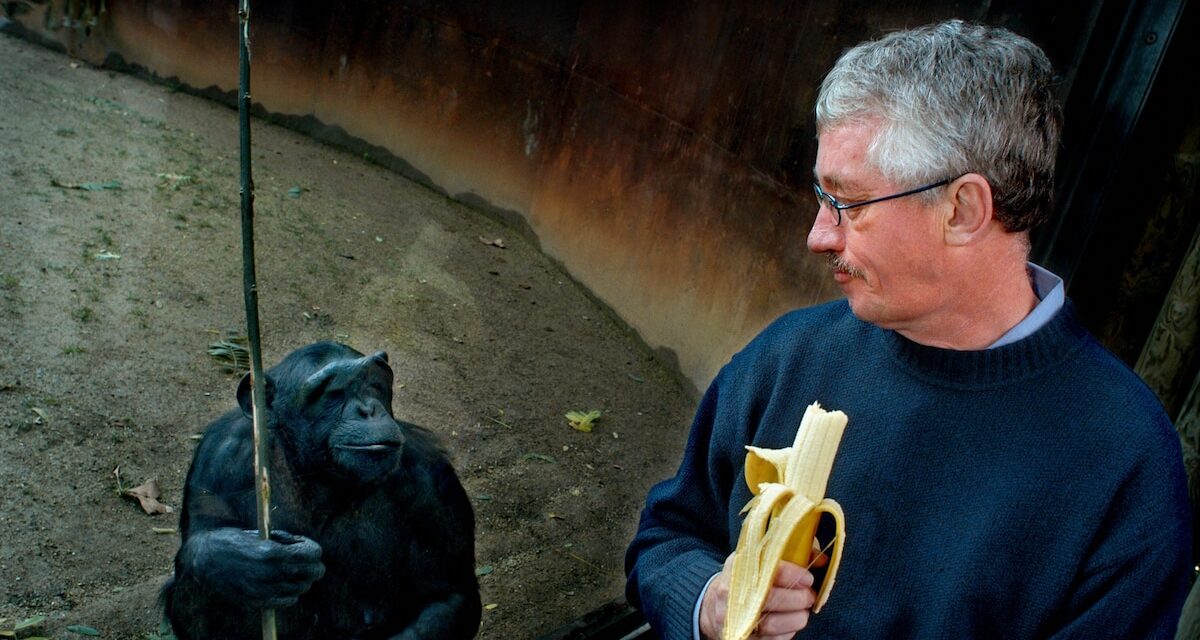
836	207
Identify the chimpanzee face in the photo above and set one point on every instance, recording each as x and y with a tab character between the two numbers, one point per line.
346	409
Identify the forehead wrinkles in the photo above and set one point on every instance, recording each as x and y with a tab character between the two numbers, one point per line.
841	188
342	372
329	367
843	162
833	182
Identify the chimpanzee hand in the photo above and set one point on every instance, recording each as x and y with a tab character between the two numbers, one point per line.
255	572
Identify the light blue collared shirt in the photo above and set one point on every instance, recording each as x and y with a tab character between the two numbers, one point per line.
1051	297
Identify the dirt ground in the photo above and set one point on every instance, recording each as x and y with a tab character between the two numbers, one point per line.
120	263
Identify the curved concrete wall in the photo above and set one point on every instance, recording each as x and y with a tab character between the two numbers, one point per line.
660	151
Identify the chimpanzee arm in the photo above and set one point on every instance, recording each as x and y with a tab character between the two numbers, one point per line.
220	565
450	618
454	609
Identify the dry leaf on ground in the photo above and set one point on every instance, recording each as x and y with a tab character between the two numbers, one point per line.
147	495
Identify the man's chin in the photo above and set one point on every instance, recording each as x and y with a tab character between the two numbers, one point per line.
852	286
861	309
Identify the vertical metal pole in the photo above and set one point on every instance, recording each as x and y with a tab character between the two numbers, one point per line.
250	288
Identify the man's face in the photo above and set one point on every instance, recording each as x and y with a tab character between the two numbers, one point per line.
887	256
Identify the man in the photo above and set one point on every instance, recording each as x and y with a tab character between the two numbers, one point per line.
1002	475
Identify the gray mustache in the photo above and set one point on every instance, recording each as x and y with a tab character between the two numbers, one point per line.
838	263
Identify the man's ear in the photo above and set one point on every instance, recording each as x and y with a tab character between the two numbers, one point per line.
971	198
243	394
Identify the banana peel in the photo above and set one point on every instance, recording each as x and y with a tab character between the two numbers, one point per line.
788	488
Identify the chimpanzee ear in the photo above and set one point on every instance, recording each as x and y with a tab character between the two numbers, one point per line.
243	394
381	355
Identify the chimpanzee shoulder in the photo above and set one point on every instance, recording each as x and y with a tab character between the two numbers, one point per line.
225	444
426	467
221	474
421	445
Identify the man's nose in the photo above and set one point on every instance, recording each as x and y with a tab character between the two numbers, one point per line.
825	236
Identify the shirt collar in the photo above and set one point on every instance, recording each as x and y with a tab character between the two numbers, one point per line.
1051	296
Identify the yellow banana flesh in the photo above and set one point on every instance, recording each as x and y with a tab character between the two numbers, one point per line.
788	486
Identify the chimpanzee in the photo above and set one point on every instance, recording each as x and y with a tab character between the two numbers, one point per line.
372	533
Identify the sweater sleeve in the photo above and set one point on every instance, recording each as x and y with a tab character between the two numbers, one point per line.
683	535
1137	572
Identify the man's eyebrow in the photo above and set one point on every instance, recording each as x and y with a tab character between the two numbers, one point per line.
832	182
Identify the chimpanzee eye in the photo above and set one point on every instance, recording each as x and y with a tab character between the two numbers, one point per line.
322	396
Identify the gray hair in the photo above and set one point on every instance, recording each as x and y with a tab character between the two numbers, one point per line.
954	98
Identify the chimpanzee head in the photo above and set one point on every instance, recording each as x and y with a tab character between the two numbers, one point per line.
331	411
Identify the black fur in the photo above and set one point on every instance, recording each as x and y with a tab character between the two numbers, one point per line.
372	533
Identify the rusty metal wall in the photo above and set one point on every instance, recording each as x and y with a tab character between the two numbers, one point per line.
659	150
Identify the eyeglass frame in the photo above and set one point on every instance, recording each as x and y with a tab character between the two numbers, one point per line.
837	207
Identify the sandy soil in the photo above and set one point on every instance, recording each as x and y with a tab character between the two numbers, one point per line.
120	264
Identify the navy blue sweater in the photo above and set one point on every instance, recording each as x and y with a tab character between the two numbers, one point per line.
1034	490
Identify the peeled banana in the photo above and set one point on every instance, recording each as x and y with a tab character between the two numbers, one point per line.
781	519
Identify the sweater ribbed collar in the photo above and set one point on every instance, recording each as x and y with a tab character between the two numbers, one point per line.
1055	341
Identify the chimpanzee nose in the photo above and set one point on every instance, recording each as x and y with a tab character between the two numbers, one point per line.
370	409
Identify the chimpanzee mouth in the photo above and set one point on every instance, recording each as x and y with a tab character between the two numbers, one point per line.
367	462
378	447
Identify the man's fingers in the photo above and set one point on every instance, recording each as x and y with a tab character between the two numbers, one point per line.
789	600
791	576
781	625
787	606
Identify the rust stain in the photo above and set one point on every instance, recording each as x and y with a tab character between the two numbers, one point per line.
645	180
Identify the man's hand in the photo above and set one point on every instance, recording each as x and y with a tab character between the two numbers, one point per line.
786	610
